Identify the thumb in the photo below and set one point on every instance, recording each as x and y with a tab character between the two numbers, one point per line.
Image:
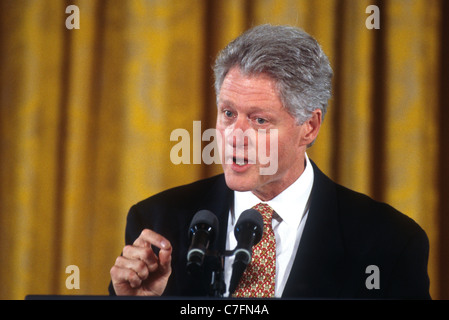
165	258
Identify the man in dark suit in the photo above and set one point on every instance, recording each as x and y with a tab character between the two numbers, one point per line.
330	242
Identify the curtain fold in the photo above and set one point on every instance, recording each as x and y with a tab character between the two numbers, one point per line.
86	117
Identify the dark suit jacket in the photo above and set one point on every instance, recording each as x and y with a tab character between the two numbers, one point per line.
345	233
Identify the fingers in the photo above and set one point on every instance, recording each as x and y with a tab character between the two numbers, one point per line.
142	256
133	266
148	238
139	267
165	260
138	262
124	272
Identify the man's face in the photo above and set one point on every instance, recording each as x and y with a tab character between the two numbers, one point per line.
252	103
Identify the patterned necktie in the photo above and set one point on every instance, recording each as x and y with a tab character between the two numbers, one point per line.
258	280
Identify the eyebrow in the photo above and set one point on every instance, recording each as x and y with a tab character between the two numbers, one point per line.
250	109
226	102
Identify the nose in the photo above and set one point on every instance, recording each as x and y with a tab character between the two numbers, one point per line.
237	134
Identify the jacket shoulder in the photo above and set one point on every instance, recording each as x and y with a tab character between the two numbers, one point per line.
170	211
375	233
181	196
360	211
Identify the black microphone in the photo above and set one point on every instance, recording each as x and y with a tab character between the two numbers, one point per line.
248	232
203	232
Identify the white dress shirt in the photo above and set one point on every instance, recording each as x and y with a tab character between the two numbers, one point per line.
291	207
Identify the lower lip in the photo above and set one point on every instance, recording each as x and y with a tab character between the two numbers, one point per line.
239	169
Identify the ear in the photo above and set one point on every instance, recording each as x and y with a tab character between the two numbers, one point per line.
311	127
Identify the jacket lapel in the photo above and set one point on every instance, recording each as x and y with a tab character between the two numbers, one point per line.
317	271
219	200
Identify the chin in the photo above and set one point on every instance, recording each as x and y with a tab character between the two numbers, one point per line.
239	182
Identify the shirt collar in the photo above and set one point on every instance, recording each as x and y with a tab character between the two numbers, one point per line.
290	204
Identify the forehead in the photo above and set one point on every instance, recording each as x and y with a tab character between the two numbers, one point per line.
249	90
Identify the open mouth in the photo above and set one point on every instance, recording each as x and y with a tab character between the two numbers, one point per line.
239	161
240	165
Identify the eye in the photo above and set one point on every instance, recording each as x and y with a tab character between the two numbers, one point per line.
261	120
228	113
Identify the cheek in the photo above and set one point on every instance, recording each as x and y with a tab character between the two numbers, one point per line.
288	148
280	143
220	140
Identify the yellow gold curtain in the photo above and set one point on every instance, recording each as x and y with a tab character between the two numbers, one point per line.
86	116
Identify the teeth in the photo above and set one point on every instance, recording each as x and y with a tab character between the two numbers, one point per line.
240	162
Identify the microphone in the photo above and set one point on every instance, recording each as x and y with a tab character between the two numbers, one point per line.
203	232
248	232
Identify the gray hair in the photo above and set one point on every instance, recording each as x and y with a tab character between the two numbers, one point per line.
291	57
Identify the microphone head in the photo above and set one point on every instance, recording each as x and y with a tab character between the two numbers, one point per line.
205	217
250	219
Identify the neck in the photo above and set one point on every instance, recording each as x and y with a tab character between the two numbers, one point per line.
274	188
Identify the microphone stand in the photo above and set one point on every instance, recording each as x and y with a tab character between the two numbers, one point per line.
217	284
